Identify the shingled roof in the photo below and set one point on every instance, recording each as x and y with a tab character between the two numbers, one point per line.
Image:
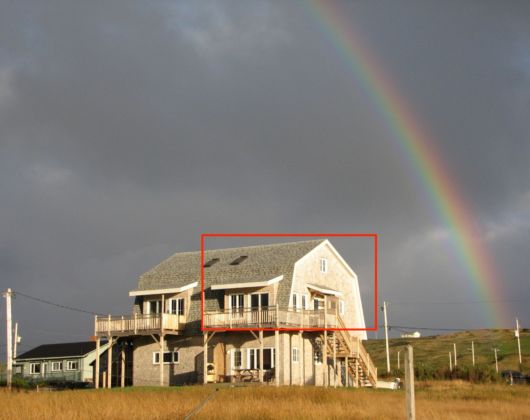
45	351
263	263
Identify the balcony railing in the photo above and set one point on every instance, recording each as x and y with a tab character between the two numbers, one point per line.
138	324
270	317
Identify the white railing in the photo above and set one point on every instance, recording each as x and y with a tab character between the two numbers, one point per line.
270	316
137	323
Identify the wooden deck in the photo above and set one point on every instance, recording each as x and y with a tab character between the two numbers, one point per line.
270	317
126	325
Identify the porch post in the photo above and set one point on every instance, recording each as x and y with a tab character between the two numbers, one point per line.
334	359
205	355
346	367
161	359
109	364
301	356
261	356
277	358
325	357
122	366
96	373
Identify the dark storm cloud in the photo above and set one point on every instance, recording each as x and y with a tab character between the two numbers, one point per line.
128	128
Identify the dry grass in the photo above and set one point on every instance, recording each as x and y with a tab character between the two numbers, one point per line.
434	400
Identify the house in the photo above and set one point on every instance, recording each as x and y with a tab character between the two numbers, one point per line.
63	362
271	307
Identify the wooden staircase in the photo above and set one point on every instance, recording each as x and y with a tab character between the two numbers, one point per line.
360	367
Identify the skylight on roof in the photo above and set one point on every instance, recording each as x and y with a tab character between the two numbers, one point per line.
211	262
239	260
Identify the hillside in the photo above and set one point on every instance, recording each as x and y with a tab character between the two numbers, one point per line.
433	351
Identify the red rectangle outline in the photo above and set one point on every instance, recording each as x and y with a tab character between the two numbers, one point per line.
247	235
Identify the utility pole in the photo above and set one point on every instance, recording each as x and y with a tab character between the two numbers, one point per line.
517	334
386	338
409	383
496	361
9	336
473	352
450	363
454	348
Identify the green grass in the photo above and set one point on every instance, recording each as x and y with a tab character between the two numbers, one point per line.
433	352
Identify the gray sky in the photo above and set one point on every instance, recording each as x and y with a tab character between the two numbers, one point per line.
129	128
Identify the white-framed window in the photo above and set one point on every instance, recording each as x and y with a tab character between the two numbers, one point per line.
238	361
153	307
296	355
57	366
296	301
342	307
323	265
72	365
34	368
253	358
304	301
236	303
259	300
176	306
169	357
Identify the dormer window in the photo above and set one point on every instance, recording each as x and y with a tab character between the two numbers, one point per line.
239	260
323	265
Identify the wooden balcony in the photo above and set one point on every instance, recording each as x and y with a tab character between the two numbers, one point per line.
138	324
270	317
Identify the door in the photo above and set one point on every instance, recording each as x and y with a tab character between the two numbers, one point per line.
219	360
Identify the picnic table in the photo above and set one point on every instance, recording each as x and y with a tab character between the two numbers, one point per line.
246	375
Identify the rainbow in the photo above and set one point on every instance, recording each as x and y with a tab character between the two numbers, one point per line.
421	156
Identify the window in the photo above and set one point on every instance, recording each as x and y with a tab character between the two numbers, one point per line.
295	301
154	306
72	365
34	368
237	358
318	304
296	355
57	366
342	307
253	358
236	303
323	265
259	300
169	357
211	262
239	260
317	356
176	306
304	302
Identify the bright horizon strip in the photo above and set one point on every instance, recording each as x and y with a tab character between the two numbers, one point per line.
421	156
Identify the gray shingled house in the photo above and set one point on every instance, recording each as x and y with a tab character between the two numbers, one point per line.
268	311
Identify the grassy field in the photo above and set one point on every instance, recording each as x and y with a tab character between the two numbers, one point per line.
434	351
434	400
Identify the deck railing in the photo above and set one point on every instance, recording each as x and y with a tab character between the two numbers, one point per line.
270	316
137	323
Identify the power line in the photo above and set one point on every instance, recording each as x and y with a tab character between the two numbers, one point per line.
47	302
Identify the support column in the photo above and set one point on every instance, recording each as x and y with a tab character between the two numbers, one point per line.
346	369
334	359
301	356
161	341
261	355
277	358
205	356
109	364
122	366
325	358
96	373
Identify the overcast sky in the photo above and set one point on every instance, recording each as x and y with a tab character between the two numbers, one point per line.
127	128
